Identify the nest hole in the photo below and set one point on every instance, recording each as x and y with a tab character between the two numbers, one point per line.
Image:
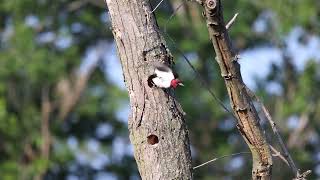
153	139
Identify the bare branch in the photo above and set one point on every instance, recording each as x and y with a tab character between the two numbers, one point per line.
277	134
215	159
241	102
278	154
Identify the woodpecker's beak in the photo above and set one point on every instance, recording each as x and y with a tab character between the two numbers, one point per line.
180	84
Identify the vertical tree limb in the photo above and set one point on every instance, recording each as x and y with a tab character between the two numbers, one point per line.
46	109
156	123
241	103
45	124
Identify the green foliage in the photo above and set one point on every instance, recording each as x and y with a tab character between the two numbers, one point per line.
28	66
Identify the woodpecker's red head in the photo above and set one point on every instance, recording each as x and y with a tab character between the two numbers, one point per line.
175	83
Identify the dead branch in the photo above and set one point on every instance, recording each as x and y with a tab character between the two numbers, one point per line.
241	103
278	154
275	130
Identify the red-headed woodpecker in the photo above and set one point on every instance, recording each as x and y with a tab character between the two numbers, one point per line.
163	77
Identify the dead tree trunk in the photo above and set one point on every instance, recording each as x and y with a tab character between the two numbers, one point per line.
241	103
156	124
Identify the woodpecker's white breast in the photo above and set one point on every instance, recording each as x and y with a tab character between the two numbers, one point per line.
167	75
162	83
163	78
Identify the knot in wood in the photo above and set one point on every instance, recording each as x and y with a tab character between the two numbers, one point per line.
241	109
236	58
211	4
228	76
263	170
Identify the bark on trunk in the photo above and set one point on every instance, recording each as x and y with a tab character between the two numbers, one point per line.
241	103
156	123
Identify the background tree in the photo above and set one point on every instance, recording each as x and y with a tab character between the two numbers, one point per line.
45	44
49	50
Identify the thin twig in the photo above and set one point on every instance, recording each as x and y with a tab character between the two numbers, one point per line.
156	6
215	159
276	132
278	154
172	15
229	24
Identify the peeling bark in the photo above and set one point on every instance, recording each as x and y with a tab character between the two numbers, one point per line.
156	123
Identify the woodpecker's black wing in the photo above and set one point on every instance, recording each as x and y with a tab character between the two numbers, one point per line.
163	67
150	80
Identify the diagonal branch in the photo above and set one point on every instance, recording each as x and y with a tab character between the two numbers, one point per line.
278	154
71	92
275	130
241	103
